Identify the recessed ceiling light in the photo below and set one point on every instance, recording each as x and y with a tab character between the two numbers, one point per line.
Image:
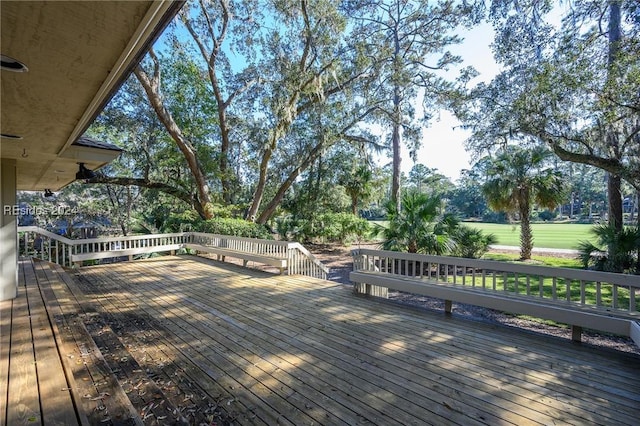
7	63
10	136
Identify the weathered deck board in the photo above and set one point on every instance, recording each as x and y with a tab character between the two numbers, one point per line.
99	393
23	402
5	346
373	359
193	340
52	382
365	379
375	333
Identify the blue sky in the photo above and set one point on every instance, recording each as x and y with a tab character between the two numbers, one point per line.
443	142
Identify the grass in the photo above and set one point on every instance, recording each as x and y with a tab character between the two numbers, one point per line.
545	235
561	285
555	262
548	235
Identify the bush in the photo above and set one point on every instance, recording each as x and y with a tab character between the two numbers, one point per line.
235	227
181	222
190	221
495	217
290	228
547	215
329	227
614	251
471	242
342	227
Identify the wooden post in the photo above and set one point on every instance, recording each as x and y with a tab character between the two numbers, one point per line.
576	333
447	307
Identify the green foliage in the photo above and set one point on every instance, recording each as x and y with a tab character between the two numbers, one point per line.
613	251
358	185
418	227
546	215
471	242
517	179
424	179
572	87
182	222
235	227
191	221
466	199
409	42
328	227
343	227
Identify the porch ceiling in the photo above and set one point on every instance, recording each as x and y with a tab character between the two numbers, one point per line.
77	55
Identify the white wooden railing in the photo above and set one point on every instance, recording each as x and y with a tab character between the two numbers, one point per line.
615	293
580	298
68	252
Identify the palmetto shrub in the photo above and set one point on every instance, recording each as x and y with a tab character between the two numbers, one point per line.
613	251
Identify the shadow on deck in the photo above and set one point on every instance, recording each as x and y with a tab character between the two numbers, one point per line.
191	340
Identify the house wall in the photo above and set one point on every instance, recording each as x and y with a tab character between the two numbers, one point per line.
8	231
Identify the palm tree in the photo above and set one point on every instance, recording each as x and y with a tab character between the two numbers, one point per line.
471	243
418	227
614	251
517	179
358	185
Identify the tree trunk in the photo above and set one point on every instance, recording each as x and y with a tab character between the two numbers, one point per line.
262	182
573	200
526	236
614	182
614	194
397	123
277	199
152	89
395	184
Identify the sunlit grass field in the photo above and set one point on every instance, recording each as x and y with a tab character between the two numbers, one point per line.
545	235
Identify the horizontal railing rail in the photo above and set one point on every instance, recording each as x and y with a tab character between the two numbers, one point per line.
579	298
299	259
252	245
66	252
35	241
617	293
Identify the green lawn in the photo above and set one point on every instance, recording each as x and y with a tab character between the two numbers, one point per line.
545	235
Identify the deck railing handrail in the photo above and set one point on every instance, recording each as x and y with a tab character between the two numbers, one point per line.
243	239
59	249
302	261
44	232
613	291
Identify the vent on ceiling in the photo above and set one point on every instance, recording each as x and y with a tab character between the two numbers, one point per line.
7	63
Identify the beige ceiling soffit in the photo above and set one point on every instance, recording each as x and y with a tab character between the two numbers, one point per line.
44	171
153	18
88	154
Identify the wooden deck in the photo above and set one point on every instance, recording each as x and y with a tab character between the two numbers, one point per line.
184	339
